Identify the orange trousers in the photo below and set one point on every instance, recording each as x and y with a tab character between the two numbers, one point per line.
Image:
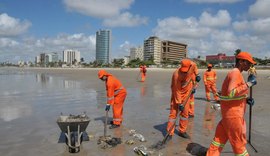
119	100
232	129
191	106
143	77
183	121
211	88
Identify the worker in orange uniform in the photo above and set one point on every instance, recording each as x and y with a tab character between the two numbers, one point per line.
116	94
182	92
209	79
143	72
195	75
234	97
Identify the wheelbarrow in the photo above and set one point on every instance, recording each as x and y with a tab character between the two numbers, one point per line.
73	126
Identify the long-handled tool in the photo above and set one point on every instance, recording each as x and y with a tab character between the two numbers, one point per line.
161	144
250	121
105	124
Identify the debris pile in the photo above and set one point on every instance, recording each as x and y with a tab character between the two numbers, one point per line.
138	136
108	142
142	150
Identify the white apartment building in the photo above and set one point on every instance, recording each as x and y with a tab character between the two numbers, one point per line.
69	56
152	49
136	52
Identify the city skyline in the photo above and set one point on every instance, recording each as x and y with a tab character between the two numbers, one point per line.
28	28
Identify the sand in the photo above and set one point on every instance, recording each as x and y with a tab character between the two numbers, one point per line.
146	110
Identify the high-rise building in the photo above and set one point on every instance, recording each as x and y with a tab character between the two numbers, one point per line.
103	46
173	51
71	56
136	52
152	49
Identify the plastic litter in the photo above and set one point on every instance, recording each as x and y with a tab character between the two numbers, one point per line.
139	137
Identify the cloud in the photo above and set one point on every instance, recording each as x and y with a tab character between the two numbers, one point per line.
260	9
221	19
213	1
125	20
211	38
28	48
123	49
10	26
174	27
257	27
98	8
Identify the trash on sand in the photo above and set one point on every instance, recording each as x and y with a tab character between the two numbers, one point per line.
130	142
132	131
216	107
108	142
142	150
139	136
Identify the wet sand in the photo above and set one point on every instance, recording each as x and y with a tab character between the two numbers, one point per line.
33	131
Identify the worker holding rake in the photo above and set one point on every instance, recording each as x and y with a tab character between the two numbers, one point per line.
182	92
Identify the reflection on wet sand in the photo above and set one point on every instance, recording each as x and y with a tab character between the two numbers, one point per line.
208	119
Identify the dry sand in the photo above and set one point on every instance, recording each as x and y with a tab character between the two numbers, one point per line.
146	110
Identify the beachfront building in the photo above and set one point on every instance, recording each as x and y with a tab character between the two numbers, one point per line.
173	51
136	52
152	49
37	59
221	60
71	56
103	46
126	60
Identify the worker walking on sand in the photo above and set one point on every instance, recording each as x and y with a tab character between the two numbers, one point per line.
209	79
181	90
143	72
195	78
116	94
234	97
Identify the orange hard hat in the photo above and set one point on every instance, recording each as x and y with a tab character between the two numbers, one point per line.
185	65
245	56
102	73
209	65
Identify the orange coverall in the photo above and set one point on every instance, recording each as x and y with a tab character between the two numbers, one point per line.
232	126
181	86
194	72
143	73
209	79
116	95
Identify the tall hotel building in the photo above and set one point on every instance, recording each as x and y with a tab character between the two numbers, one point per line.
103	46
71	55
152	49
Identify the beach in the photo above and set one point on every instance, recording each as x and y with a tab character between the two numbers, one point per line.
33	98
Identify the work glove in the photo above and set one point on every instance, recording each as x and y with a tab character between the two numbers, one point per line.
251	80
198	78
181	107
107	108
193	91
250	101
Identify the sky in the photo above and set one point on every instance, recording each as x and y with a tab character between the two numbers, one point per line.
208	27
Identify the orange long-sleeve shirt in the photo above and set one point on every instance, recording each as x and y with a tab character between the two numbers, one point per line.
180	86
233	95
113	87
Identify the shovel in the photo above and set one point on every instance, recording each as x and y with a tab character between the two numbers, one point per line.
161	144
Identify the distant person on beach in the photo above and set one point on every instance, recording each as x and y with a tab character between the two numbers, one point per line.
209	79
234	97
252	70
181	95
143	72
116	95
